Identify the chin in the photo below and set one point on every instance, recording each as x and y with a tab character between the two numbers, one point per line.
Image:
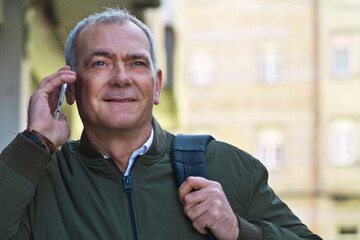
120	123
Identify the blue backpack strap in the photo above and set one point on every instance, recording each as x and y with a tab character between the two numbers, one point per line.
188	159
188	156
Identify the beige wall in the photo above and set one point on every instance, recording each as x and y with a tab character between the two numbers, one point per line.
218	92
232	104
340	99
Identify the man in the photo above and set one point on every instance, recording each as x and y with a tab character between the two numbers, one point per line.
117	181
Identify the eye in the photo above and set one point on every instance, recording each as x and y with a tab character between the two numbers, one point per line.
100	63
138	63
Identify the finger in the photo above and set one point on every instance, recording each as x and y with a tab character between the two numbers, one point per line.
53	100
62	71
193	199
193	211
191	184
55	81
66	67
62	117
219	221
207	200
201	224
53	93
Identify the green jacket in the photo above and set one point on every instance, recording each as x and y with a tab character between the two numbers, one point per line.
78	194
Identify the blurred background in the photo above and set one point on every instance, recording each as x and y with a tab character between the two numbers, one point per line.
279	79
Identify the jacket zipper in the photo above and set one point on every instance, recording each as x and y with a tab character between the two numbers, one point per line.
128	190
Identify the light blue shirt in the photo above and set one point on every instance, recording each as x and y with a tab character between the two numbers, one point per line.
140	151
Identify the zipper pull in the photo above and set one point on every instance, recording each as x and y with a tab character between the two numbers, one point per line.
127	184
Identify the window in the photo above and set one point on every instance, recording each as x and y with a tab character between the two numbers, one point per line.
341	62
341	56
270	64
201	67
343	141
347	233
270	148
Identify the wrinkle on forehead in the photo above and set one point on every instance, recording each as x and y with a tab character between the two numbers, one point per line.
134	29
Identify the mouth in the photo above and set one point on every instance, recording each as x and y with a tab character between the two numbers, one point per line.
124	100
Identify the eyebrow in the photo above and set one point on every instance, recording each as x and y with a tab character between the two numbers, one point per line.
107	53
136	56
98	52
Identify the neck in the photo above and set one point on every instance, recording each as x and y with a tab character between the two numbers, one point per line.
118	144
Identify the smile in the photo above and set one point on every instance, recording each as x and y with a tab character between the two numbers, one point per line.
120	100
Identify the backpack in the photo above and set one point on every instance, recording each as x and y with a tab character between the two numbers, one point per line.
188	159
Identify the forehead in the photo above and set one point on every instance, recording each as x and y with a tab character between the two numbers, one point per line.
107	35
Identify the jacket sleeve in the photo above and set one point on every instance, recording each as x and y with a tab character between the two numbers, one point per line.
266	210
21	165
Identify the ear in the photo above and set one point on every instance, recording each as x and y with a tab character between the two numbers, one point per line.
70	94
158	86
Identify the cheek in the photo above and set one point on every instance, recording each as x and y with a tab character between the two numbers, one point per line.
85	86
82	93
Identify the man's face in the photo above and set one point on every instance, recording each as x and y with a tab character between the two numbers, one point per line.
116	86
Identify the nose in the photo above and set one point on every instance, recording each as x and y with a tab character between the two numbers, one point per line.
120	77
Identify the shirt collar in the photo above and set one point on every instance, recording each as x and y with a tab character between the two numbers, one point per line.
89	152
144	148
141	151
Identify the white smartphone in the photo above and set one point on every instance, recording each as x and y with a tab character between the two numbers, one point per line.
60	101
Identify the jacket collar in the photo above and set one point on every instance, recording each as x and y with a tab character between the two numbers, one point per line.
87	149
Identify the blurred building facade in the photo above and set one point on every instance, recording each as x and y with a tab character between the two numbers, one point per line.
339	116
275	78
279	79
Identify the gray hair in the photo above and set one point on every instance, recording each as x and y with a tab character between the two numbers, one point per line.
110	15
